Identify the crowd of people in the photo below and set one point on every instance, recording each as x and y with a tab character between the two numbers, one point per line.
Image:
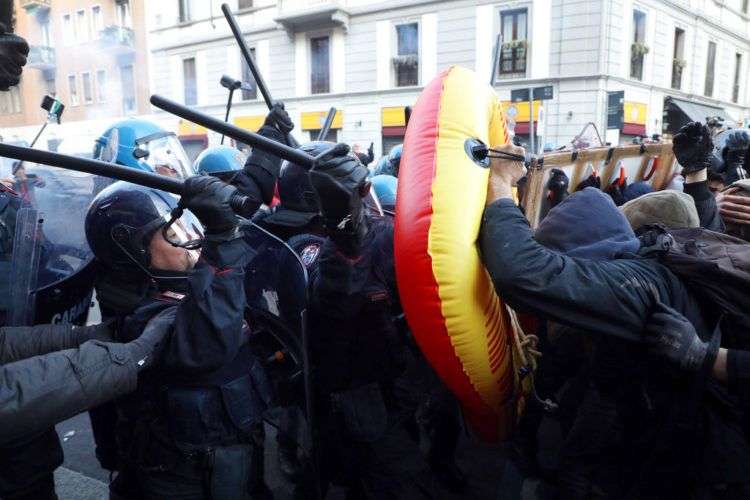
222	320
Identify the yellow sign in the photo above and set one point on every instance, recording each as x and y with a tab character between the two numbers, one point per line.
189	128
393	117
635	113
519	111
314	120
251	123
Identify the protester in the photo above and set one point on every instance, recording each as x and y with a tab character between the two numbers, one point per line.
734	207
610	297
671	208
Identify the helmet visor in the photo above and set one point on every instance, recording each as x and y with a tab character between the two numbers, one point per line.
166	156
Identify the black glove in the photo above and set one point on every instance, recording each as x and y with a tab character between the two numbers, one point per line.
558	186
145	350
672	336
592	180
340	182
209	199
692	147
617	191
279	118
13	52
371	151
735	148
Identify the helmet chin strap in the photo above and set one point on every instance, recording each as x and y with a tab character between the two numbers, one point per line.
179	280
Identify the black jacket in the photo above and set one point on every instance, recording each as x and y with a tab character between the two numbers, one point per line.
705	203
613	297
354	339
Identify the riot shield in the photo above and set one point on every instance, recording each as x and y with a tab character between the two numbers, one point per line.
52	271
276	288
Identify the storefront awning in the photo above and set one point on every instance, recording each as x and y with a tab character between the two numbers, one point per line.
314	120
679	112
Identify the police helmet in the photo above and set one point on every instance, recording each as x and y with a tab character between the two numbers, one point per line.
220	161
385	187
143	145
122	220
295	189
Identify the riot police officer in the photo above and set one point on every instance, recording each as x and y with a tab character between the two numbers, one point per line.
222	162
356	350
191	428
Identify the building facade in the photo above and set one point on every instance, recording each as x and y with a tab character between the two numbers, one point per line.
372	58
89	54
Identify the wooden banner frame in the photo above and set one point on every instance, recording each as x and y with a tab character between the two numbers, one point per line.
635	158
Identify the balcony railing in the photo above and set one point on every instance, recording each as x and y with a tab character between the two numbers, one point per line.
118	37
41	57
36	4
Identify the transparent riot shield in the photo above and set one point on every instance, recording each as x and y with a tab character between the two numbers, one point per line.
276	287
51	272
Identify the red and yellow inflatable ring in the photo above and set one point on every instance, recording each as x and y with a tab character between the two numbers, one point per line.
449	300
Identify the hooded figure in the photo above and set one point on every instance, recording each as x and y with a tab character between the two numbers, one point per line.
587	224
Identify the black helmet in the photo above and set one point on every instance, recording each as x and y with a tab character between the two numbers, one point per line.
121	222
295	190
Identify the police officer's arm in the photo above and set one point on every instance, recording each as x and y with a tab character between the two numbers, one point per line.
208	324
613	297
346	258
257	180
17	343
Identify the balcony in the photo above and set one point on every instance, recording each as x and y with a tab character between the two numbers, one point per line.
41	57
118	38
305	15
32	5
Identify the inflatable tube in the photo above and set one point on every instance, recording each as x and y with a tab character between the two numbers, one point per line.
450	303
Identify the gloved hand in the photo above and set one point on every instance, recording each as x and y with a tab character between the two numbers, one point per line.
13	52
735	148
692	147
673	337
340	182
209	199
592	180
617	191
145	350
279	118
558	186
371	151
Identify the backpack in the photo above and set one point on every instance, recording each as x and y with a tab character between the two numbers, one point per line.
716	269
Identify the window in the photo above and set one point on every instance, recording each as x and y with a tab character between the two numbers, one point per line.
678	59
82	29
744	6
320	55
710	64
50	83
189	83
406	61
184	6
101	85
97	22
44	28
249	88
88	91
73	90
68	30
127	82
123	14
639	49
10	101
245	4
513	37
736	86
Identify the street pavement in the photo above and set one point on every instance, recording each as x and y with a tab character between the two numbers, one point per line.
81	477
